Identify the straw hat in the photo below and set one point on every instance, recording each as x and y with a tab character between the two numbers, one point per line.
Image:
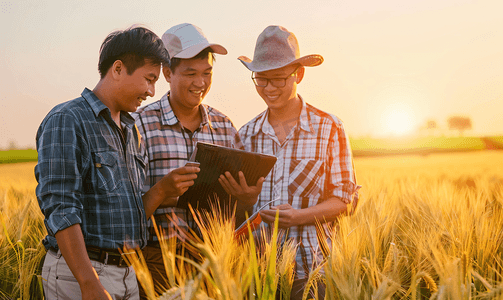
276	48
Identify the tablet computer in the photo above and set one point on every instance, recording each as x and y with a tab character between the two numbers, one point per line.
215	160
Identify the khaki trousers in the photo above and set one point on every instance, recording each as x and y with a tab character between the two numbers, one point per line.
59	282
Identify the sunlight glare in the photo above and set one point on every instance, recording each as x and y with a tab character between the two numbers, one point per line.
398	121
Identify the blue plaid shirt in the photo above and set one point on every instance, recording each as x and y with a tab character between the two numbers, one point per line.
90	173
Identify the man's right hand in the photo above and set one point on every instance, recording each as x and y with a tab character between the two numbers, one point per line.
71	243
97	292
177	182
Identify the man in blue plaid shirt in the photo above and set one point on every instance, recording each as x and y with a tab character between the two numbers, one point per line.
91	170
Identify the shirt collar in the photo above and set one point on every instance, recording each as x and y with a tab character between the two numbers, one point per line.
127	119
98	107
304	121
169	117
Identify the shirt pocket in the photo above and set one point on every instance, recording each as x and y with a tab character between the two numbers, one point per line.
107	171
141	165
305	178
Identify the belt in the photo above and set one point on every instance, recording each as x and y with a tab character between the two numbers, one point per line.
104	256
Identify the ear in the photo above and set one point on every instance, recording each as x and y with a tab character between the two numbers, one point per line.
300	74
118	69
167	73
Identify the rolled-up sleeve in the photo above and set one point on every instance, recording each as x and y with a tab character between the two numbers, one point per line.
60	147
340	174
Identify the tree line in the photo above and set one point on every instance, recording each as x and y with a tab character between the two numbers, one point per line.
458	123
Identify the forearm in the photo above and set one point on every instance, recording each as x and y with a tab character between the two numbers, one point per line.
326	211
169	202
155	198
166	191
71	243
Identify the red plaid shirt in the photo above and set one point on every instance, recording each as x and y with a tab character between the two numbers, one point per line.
169	146
314	163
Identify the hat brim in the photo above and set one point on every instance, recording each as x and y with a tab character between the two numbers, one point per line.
306	61
196	49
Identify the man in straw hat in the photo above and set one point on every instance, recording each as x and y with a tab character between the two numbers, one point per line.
172	125
314	176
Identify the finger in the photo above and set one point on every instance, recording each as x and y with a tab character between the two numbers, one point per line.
180	190
270	218
223	179
186	170
268	212
232	181
283	206
185	184
267	218
177	178
242	181
180	180
224	184
260	181
187	177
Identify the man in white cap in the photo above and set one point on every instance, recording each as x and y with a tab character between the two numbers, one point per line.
172	125
313	176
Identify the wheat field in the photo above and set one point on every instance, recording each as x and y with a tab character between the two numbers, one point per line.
426	227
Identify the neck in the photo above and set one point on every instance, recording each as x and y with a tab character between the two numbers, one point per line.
189	117
106	95
287	113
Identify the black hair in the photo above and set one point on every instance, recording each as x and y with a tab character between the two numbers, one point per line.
175	61
133	47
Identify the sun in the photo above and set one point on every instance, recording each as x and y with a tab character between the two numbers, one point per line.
398	121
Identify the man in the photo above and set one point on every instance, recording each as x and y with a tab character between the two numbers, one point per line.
90	172
172	125
313	177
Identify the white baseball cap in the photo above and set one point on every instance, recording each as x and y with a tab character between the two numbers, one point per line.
187	40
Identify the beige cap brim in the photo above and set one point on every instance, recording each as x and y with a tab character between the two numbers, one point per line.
196	49
306	61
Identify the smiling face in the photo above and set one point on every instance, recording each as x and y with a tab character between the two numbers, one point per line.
190	82
135	88
278	98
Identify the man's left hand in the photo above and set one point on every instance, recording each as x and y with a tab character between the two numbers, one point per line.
248	195
288	216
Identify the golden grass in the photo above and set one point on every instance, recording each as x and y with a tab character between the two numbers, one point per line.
425	228
21	230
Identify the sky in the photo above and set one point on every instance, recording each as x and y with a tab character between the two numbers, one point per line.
390	65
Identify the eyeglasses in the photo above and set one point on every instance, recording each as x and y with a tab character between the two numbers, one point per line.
276	82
